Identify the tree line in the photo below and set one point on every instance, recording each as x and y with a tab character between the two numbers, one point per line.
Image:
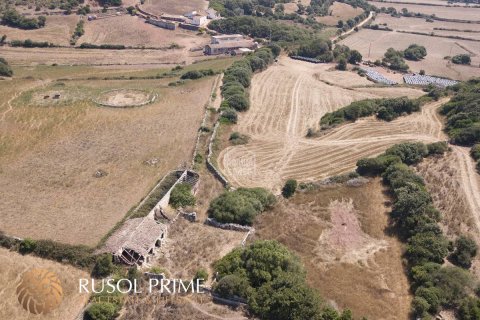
13	18
434	284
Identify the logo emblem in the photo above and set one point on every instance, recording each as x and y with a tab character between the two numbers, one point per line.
39	291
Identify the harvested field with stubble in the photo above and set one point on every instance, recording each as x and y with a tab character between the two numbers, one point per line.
14	265
372	44
341	235
282	111
51	153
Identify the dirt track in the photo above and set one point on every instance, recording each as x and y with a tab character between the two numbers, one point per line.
282	111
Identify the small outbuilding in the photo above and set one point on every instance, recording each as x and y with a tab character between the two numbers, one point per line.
229	47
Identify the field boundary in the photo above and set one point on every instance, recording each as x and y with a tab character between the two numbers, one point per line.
151	99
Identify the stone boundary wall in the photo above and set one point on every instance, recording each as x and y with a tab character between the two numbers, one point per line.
229	226
210	165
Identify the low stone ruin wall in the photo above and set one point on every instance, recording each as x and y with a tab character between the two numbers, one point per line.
228	226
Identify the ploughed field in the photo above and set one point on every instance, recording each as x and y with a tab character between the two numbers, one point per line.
291	97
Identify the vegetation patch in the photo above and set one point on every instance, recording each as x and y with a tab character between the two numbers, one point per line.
416	219
13	18
5	69
240	206
272	281
182	196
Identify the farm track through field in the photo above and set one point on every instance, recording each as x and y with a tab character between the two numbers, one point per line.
469	182
286	100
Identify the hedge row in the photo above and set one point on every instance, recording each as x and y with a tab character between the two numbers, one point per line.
385	109
416	219
237	80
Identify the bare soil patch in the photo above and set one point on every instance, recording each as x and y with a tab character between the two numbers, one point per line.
369	279
282	111
14	265
125	98
372	45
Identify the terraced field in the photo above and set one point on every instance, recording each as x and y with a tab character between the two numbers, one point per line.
282	111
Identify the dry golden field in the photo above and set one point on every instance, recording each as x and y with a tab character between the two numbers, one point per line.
460	13
282	111
420	25
52	150
339	11
174	7
341	235
58	30
432	2
14	265
133	31
372	44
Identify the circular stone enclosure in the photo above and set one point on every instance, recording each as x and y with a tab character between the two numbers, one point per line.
125	98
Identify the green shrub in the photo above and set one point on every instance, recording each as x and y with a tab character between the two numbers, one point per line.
230	115
462	59
27	246
465	250
376	166
103	266
232	285
415	52
289	188
437	148
101	311
240	206
475	152
409	152
181	196
14	19
201	274
5	69
469	309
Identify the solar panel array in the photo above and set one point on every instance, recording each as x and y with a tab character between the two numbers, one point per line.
378	77
423	80
312	60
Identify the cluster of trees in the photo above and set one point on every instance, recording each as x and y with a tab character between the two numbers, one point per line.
110	3
79	31
256	27
321	50
182	196
385	109
5	69
394	59
343	55
237	79
12	18
416	218
463	113
86	45
197	74
350	23
475	153
31	44
272	281
230	8
462	59
240	206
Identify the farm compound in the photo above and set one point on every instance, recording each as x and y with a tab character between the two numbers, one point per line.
225	44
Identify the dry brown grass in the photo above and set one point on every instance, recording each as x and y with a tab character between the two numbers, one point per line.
339	11
51	153
192	246
460	13
58	30
372	283
14	265
133	31
282	111
377	42
420	25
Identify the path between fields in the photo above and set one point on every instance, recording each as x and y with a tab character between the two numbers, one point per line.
469	181
17	94
346	33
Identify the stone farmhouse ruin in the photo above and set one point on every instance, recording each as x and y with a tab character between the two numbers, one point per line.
137	240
